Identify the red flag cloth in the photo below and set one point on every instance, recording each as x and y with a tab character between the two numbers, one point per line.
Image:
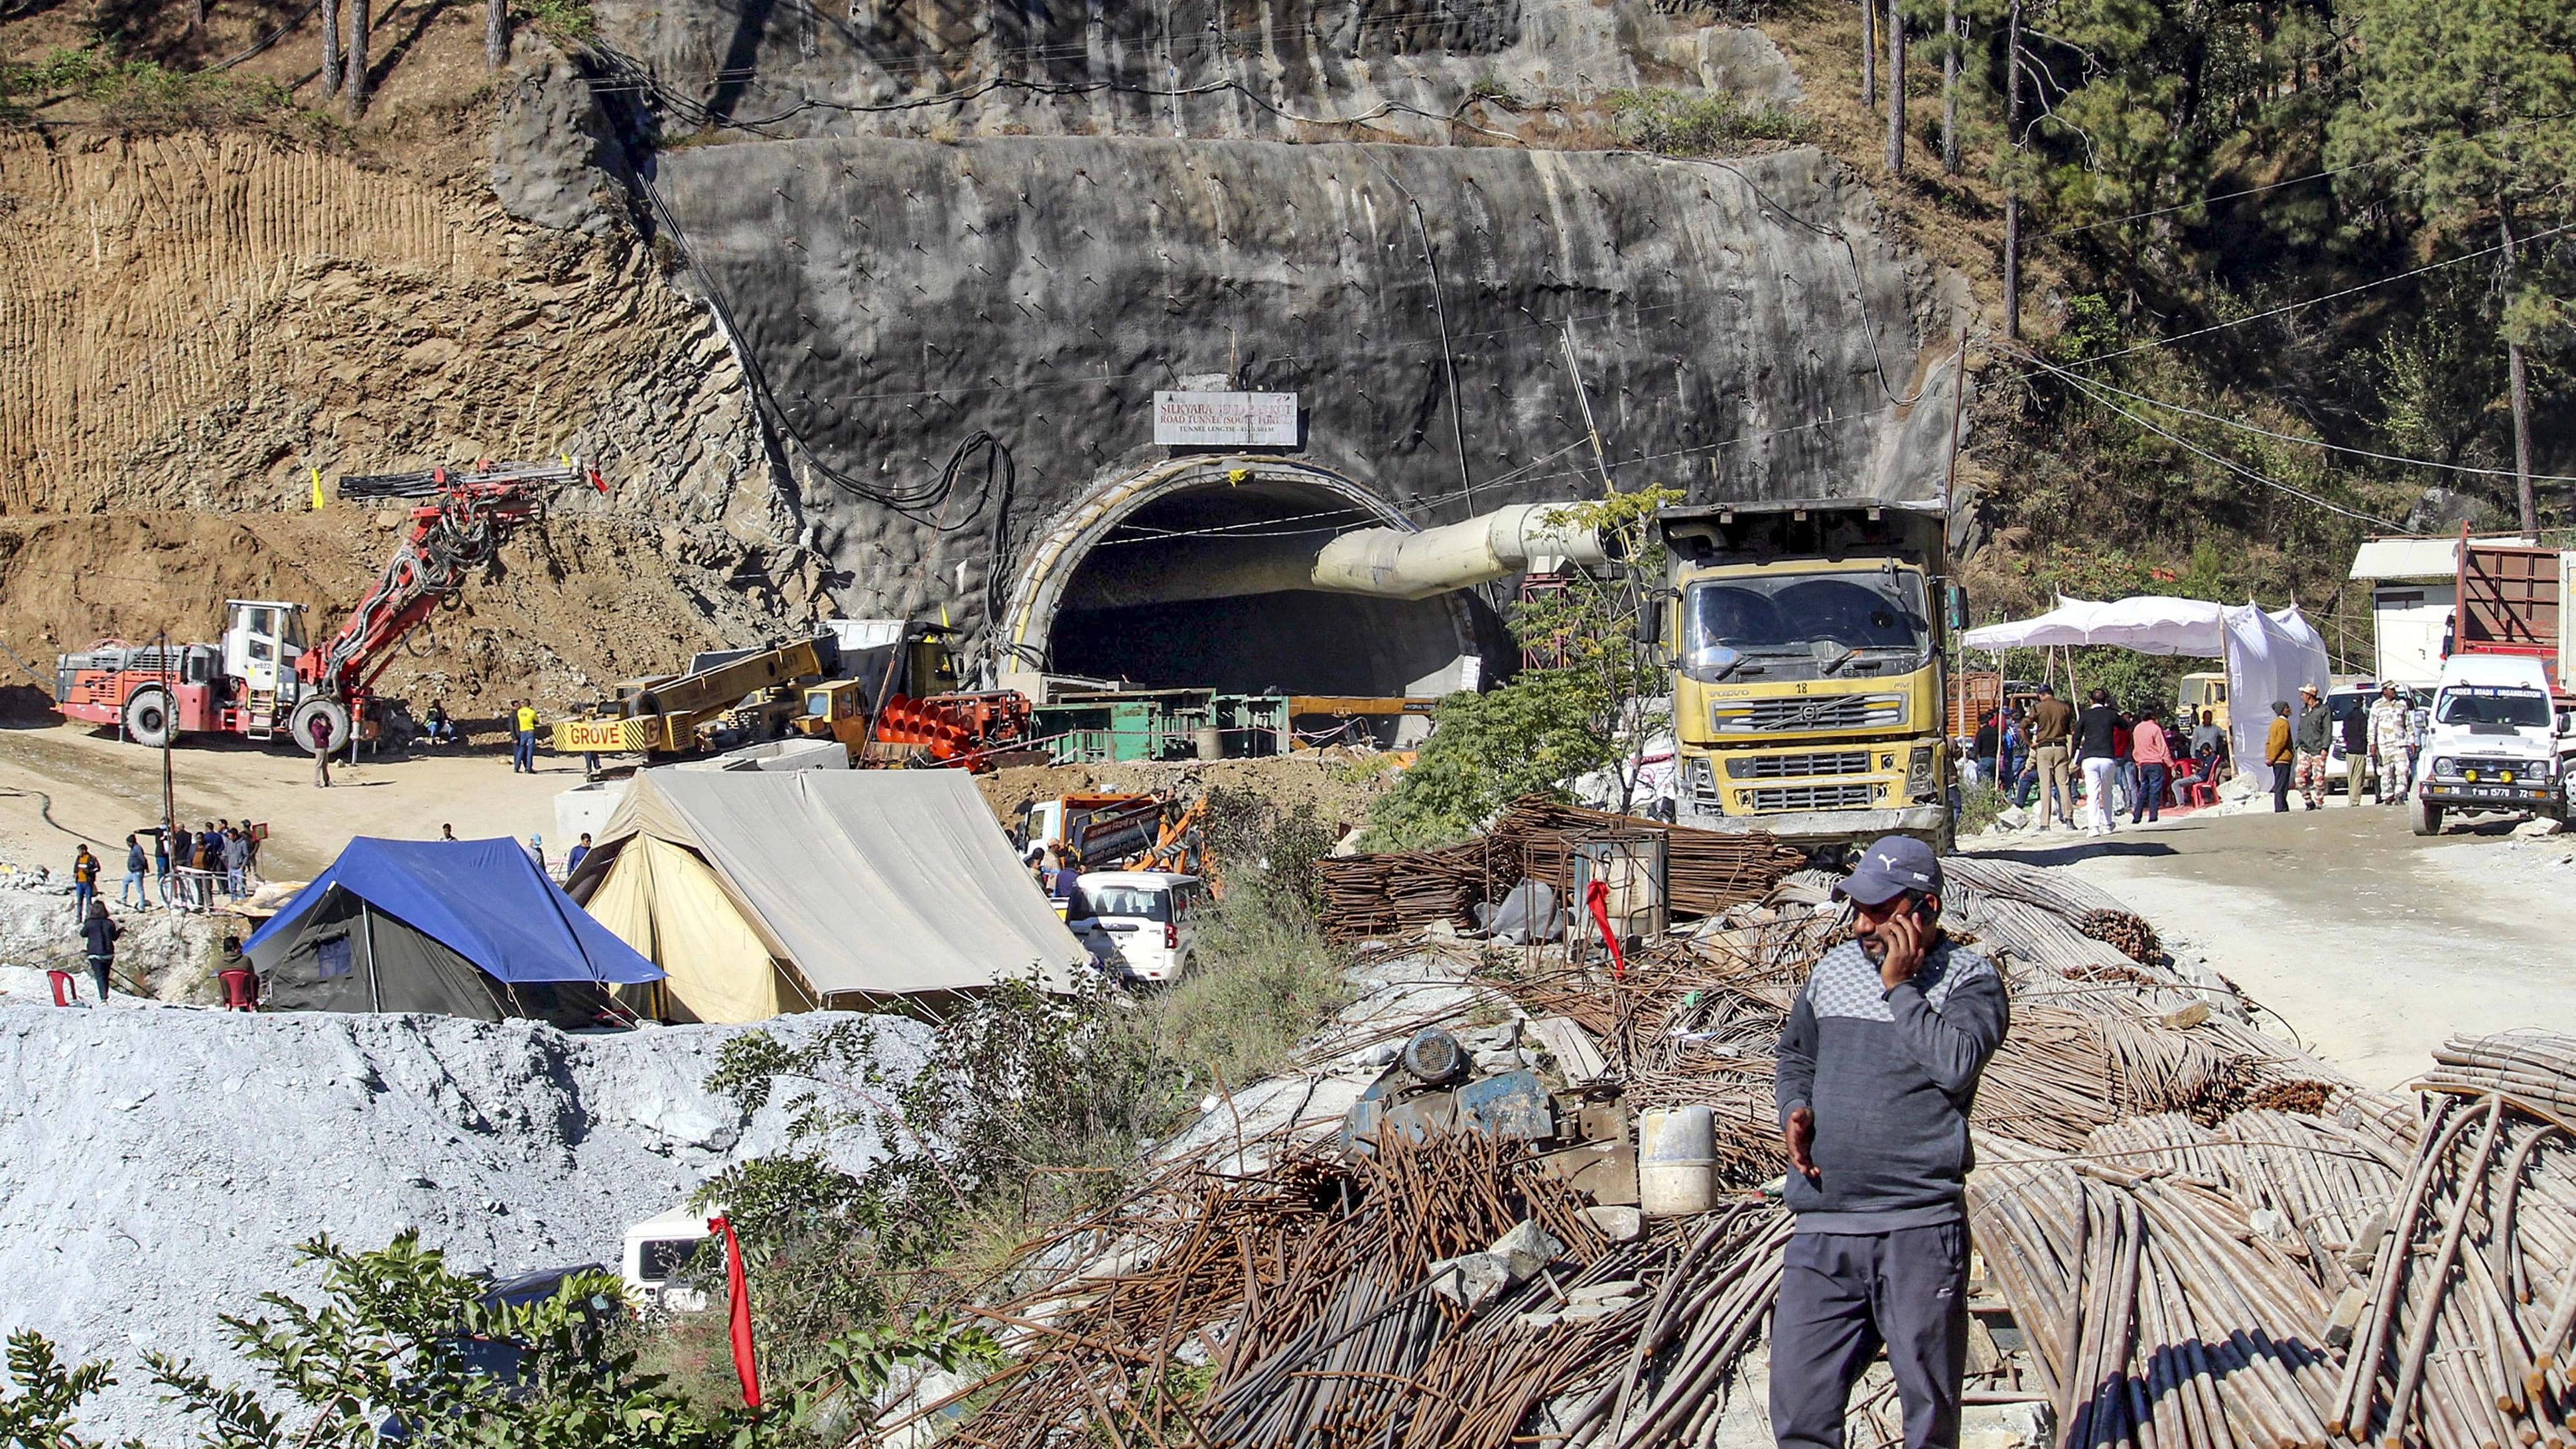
738	1308
1597	897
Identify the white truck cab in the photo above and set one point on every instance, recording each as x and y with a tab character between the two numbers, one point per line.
1145	922
2494	745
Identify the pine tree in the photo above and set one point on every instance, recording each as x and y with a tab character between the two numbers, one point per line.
2466	112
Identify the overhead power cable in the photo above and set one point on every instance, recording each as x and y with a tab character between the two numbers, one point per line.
2486	251
2230	464
2246	427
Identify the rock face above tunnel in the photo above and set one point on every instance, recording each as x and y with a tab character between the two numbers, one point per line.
1741	328
1278	69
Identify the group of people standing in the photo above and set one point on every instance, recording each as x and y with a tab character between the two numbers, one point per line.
2380	746
2126	760
185	866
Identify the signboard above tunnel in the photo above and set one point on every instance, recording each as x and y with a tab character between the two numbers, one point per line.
1225	419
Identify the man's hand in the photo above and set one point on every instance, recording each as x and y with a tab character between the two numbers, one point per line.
1902	939
1801	1137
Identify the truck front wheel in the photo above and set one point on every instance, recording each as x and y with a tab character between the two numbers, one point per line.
148	720
2423	815
299	725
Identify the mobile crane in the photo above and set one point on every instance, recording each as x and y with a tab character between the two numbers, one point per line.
262	674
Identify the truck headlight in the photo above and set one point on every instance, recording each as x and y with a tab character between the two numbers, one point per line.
1702	784
1918	772
2442	765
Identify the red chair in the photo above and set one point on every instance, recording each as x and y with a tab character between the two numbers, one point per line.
65	993
241	990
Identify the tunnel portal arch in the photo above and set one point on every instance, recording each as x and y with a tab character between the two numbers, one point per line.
1186	574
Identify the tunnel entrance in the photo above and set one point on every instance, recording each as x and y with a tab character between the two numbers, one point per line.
1192	579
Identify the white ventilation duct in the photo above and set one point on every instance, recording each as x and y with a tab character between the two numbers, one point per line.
1390	564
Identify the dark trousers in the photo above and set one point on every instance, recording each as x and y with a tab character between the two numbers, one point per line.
2281	787
1843	1296
98	973
2151	793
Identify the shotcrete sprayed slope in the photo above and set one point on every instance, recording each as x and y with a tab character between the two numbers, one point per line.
158	1166
1742	330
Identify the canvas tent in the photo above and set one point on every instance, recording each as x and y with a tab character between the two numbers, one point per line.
461	927
2268	653
765	892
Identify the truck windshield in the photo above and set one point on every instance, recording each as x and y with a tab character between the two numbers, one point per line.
2523	708
1804	626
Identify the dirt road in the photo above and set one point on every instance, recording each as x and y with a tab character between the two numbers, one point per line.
2371	944
62	784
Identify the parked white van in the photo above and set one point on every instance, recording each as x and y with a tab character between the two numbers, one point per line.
2494	744
1146	922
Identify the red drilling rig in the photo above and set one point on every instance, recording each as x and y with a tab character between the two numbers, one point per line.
262	676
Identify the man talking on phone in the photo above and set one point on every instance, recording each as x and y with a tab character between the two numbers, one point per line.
1878	1068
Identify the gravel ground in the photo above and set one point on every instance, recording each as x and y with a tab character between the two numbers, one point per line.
158	1164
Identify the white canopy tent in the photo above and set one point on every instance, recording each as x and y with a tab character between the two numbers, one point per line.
2267	655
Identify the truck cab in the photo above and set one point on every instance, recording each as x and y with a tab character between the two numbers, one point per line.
1807	675
2496	744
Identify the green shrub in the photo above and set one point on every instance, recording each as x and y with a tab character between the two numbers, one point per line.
1678	123
142	95
567	22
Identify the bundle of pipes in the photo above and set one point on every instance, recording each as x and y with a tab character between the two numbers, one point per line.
2159	1315
2537	1071
2463	1332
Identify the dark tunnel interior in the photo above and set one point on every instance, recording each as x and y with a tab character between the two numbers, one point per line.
1186	592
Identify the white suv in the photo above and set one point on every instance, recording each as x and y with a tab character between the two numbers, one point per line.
1145	922
2493	744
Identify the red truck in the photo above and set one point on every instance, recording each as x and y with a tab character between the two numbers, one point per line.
262	676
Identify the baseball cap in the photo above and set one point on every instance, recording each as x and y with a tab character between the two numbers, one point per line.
1890	868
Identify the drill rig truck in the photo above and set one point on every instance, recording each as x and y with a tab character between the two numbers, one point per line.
263	677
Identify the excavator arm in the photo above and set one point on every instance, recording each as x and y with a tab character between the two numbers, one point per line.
460	520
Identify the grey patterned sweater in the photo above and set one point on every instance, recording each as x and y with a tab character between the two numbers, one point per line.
1891	1076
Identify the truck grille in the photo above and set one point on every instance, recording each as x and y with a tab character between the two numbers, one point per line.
2489	769
1792	767
1831	712
1814	797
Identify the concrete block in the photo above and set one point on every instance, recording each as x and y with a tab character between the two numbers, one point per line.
1618	1224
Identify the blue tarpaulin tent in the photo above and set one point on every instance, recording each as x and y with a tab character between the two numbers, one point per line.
464	927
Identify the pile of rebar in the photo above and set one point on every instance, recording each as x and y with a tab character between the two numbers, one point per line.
1379	896
1705	870
2207	1239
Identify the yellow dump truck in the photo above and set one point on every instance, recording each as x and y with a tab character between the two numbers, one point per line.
1807	676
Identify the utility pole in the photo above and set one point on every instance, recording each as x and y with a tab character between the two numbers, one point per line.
2012	174
1895	88
2520	381
169	732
